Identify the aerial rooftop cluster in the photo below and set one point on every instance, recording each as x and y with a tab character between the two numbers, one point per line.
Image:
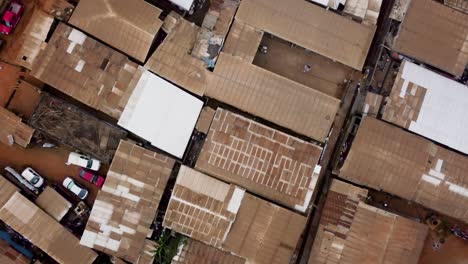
233	131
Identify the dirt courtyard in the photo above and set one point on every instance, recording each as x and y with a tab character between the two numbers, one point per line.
288	61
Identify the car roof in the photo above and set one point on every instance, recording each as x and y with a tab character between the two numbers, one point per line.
8	16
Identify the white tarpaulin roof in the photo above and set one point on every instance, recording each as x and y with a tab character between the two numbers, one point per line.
161	113
443	113
185	4
331	3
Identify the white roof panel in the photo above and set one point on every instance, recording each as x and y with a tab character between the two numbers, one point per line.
185	4
443	114
161	113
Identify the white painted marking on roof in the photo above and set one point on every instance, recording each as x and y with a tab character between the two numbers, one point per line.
203	209
442	115
174	114
79	66
302	208
117	91
436	174
128	67
404	88
136	183
77	36
131	197
127	229
317	169
414	90
123	189
100	240
132	217
88	238
431	180
236	200
366	108
113	244
458	189
439	165
70	48
100	89
337	246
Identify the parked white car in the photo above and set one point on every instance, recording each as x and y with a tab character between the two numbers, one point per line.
70	184
21	179
33	177
83	161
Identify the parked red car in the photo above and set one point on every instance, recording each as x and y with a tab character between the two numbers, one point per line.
11	17
92	178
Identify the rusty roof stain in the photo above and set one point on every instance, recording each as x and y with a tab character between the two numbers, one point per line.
127	203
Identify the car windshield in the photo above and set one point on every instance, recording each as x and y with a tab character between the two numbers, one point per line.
6	23
34	180
82	193
90	164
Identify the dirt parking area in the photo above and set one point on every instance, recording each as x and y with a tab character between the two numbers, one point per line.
49	163
289	60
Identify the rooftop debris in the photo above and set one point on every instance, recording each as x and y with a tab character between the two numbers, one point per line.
74	127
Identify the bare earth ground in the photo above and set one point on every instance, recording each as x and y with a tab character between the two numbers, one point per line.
8	76
325	75
49	163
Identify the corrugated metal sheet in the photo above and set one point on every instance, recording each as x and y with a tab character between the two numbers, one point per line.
312	27
86	70
147	253
129	26
127	203
461	5
226	217
7	189
272	97
429	104
353	232
199	207
243	41
195	252
372	104
264	233
435	34
33	38
388	158
263	160
172	59
53	203
11	124
44	231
